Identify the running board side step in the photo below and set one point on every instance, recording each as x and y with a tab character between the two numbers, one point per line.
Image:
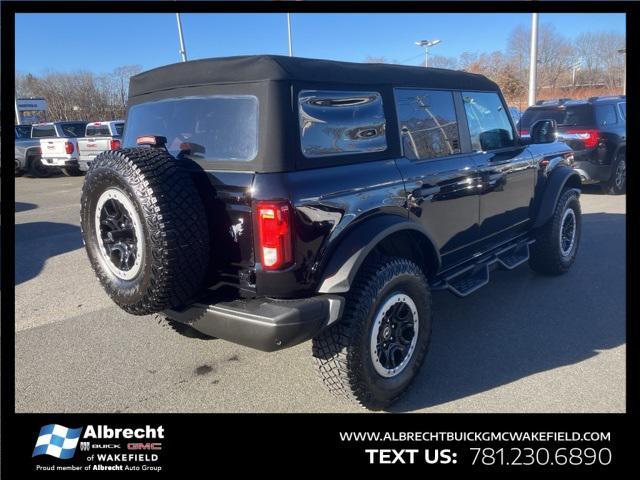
468	279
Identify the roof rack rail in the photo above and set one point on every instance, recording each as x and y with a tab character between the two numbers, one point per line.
553	101
606	97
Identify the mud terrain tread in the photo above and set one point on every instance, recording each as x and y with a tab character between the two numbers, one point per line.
545	252
334	349
175	222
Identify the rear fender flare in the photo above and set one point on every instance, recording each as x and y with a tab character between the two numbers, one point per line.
347	258
559	179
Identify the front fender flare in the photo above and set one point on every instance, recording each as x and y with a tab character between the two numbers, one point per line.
558	179
345	261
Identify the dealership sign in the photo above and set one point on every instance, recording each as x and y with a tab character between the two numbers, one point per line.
28	104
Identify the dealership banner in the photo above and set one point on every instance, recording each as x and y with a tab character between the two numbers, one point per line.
169	445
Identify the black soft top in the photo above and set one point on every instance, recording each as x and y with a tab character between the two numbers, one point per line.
254	68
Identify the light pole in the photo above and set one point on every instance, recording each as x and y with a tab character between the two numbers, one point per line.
426	44
183	50
623	51
533	64
289	31
574	68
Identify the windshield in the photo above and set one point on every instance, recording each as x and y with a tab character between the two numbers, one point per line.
75	129
571	115
219	127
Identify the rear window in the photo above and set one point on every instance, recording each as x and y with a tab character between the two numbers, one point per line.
218	127
98	131
43	131
119	128
580	115
623	109
73	129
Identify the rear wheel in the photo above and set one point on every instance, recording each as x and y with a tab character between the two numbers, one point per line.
373	353
557	241
617	185
37	169
145	229
72	171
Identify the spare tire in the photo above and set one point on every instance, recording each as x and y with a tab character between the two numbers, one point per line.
145	229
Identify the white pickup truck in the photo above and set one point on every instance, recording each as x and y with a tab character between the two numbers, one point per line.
99	136
59	144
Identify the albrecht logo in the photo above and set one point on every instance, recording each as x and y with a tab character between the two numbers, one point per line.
57	441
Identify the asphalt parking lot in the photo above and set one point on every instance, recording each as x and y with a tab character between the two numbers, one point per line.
524	343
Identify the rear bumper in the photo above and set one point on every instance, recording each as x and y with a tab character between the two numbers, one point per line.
264	324
592	165
591	172
59	162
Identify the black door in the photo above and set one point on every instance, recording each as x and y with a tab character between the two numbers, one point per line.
507	170
441	181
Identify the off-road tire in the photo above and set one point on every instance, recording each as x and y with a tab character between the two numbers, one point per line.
546	256
174	224
181	328
612	187
342	351
72	171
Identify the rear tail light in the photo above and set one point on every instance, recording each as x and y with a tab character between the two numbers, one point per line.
524	132
274	230
588	136
68	147
115	144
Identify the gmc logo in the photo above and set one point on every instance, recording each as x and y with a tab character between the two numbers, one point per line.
144	446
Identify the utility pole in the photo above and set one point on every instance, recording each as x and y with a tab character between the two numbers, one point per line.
289	30
623	51
426	44
183	50
533	56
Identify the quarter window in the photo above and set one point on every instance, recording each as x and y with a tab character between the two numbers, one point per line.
428	124
606	115
489	125
340	123
623	109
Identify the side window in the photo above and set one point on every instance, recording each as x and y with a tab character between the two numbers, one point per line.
340	123
428	124
43	131
489	124
606	115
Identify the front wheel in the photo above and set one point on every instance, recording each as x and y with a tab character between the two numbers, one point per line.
373	353
557	241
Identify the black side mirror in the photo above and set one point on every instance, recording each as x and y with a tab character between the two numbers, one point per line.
544	131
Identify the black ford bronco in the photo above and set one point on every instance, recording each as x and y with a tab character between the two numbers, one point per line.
270	200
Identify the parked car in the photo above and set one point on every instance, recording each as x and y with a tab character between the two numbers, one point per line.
28	153
59	145
271	200
515	114
596	129
99	136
